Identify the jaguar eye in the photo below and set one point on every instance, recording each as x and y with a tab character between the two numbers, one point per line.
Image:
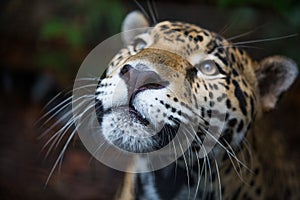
207	67
139	44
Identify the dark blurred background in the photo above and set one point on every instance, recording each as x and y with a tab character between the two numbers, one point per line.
42	46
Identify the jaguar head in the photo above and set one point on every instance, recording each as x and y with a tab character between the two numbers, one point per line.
177	78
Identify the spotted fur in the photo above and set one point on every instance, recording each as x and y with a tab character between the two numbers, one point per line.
180	74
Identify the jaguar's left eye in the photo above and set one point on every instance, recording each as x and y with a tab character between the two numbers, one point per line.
139	44
207	67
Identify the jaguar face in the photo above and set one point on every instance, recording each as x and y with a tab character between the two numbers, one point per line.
178	78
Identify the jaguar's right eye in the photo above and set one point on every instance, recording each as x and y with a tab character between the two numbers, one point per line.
139	44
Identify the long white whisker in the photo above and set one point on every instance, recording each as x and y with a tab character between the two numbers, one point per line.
244	34
219	143
88	79
210	174
58	136
226	27
61	107
59	157
239	166
219	179
245	142
235	169
86	86
96	150
198	165
55	136
142	9
66	115
185	162
266	40
54	108
206	176
199	175
151	12
155	10
175	157
53	99
236	45
75	120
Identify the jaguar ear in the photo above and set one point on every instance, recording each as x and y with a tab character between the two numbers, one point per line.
132	26
275	75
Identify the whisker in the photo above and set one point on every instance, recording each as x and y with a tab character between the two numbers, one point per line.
207	168
229	146
51	100
59	157
89	79
219	179
239	46
210	174
227	27
151	12
85	86
244	34
235	169
62	118
61	106
247	168
245	142
55	138
199	174
96	150
175	158
53	109
59	135
266	40
199	171
240	175
219	143
142	9
155	10
185	163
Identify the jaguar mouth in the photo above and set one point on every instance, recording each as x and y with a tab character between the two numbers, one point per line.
135	114
133	110
127	128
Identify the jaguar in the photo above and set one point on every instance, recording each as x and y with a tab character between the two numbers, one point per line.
176	78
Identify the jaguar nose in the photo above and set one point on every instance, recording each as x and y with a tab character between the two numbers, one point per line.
138	79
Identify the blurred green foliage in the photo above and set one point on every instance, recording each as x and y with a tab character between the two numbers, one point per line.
74	29
57	28
53	60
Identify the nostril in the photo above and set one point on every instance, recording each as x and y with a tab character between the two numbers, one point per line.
125	69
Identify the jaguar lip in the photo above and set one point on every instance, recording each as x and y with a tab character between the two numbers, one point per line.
151	86
132	109
155	86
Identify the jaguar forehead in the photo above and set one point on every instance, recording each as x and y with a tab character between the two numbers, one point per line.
193	32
